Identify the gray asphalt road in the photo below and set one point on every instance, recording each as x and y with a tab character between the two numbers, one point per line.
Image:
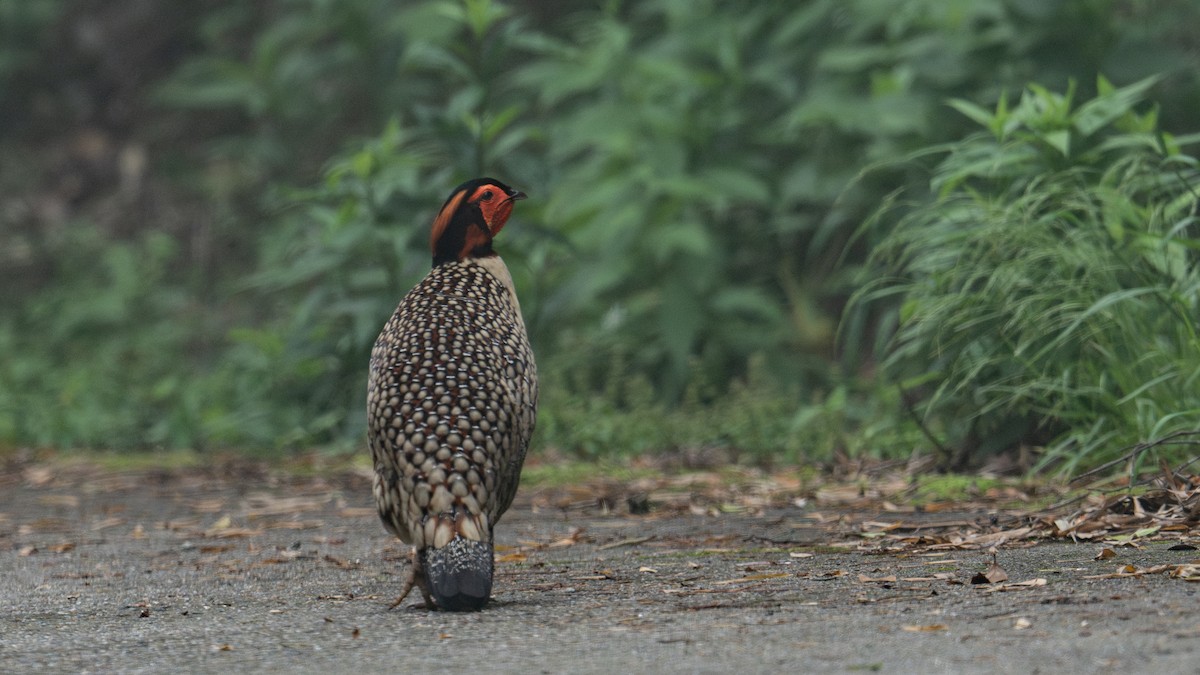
158	573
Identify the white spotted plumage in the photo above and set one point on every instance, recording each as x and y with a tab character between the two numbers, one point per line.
451	405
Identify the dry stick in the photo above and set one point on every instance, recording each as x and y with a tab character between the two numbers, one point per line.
1109	491
625	542
1179	469
1136	450
1141	447
1066	502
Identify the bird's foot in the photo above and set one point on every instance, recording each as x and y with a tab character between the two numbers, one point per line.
416	578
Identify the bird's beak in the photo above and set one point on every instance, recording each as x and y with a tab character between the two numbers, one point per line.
515	195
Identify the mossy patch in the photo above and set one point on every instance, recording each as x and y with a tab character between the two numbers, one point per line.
952	487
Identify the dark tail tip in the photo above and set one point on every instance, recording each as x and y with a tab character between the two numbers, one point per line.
459	574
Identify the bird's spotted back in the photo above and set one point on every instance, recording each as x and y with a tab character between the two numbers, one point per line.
452	395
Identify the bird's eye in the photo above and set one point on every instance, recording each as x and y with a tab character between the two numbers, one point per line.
487	195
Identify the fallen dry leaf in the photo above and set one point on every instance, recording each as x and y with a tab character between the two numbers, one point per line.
938	576
834	574
1125	540
765	575
221	548
294	524
107	523
1000	537
232	533
889	579
265	504
207	505
66	501
752	577
37	476
46	525
1186	572
927	628
341	562
994	574
1105	554
1030	583
571	539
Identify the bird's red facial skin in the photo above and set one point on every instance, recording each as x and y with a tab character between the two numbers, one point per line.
472	216
495	205
499	215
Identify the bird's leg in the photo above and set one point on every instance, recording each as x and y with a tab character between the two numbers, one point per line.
416	577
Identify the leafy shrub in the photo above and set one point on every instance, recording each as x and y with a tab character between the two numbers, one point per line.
99	351
688	172
1050	294
696	173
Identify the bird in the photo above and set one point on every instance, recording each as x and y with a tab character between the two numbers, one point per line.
452	402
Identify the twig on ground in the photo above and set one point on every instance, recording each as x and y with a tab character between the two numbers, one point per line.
1139	448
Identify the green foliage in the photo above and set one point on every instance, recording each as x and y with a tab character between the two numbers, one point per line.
343	253
690	168
22	25
1050	293
292	78
98	366
950	487
753	422
698	173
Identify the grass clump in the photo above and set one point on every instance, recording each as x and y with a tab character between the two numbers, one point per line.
1049	296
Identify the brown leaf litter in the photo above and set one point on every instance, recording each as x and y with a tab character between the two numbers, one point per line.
1168	509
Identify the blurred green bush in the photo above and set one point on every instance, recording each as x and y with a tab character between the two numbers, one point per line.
699	174
1050	294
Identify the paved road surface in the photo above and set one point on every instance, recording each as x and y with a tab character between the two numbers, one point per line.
162	573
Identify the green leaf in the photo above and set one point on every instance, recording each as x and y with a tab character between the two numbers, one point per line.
363	164
1059	140
975	113
1110	105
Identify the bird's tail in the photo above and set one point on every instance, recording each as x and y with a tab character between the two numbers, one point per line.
459	573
